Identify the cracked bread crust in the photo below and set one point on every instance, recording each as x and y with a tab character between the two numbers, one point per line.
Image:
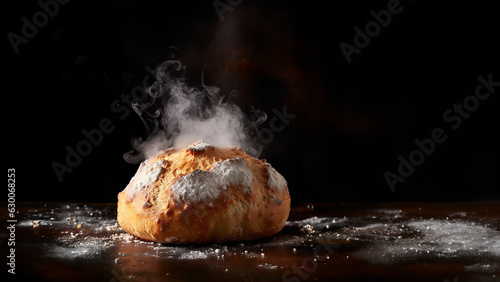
204	194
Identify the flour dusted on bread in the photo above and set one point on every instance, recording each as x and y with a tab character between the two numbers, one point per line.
204	194
199	146
206	185
146	175
276	180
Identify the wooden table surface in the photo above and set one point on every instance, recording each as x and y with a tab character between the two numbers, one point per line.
321	242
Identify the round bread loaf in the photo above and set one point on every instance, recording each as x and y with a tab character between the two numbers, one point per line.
204	194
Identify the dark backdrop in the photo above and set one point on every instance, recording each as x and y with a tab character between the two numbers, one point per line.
346	123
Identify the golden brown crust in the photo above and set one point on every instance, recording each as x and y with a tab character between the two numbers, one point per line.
154	208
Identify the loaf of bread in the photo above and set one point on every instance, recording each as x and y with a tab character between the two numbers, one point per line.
204	194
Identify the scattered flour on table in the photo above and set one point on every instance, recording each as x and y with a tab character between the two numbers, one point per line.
318	223
458	237
414	240
190	255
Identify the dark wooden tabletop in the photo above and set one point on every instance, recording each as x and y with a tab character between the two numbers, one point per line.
321	242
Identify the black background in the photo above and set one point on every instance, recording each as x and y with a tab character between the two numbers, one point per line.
352	120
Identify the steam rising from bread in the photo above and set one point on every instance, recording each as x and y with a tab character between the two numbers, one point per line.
177	115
